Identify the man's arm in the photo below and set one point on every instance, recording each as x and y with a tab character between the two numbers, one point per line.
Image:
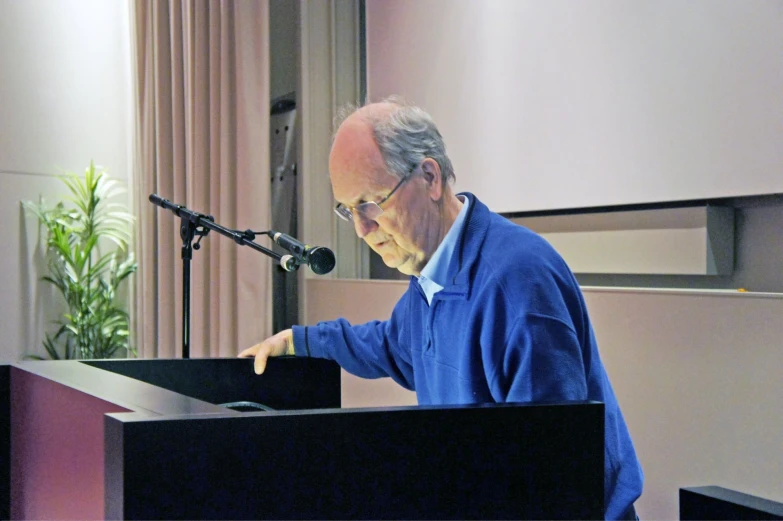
370	350
541	360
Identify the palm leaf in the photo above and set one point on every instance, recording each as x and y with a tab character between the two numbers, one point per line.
95	325
51	349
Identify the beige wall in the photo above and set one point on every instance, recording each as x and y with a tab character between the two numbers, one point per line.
697	375
359	301
65	99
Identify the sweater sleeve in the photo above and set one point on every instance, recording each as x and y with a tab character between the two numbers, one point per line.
541	361
371	350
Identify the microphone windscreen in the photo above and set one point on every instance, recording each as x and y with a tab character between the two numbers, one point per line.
321	260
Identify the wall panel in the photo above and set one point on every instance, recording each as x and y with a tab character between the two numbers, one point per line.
697	375
65	99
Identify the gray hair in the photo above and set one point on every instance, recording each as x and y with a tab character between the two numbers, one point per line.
406	137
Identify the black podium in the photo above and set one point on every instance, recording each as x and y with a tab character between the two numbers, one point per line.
168	449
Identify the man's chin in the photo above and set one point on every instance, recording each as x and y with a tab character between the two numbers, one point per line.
395	262
392	261
403	267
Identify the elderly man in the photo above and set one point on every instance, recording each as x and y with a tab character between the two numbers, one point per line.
492	312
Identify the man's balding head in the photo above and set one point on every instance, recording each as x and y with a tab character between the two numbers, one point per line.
404	134
392	156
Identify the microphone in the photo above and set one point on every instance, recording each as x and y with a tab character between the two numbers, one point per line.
320	259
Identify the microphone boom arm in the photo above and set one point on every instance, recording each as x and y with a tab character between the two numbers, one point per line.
198	224
287	262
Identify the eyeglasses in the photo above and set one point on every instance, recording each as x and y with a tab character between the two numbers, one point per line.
370	210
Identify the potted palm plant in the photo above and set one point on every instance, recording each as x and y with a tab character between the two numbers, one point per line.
88	260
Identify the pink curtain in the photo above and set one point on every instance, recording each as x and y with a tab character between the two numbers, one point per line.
202	81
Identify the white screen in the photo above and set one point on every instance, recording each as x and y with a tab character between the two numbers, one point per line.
570	104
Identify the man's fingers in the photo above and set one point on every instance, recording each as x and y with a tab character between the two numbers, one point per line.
277	345
250	351
260	364
261	352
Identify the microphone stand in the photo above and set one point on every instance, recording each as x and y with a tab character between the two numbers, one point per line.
194	225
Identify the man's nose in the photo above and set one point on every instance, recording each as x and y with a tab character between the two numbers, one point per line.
363	225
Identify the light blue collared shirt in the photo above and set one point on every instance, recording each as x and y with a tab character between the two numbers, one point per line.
434	275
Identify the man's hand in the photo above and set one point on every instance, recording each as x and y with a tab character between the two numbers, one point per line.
277	345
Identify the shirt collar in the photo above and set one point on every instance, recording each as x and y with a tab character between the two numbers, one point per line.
435	274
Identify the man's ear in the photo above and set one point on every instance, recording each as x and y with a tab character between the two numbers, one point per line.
431	172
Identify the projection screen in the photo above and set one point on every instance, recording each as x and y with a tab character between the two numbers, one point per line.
563	104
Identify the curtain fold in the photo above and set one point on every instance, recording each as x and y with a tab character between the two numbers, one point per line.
202	119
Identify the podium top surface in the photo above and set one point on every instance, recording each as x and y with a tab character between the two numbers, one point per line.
176	387
130	393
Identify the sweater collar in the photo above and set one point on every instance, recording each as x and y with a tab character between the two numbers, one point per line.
467	249
435	275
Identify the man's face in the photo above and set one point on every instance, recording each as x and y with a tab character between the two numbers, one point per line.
408	232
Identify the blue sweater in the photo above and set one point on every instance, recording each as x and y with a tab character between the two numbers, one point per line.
511	327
